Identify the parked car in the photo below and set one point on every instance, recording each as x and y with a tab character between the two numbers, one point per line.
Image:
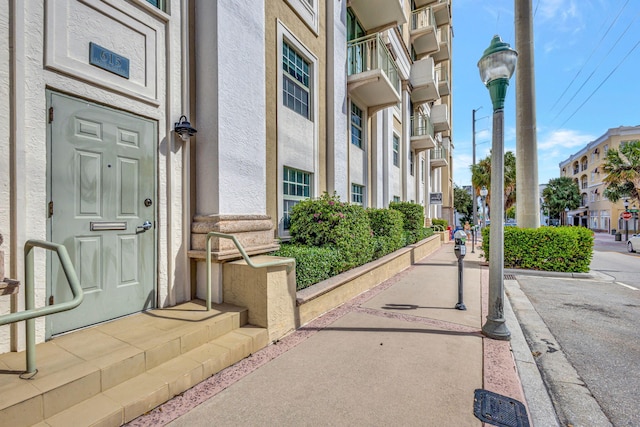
633	244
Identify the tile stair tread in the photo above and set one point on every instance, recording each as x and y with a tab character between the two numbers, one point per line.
142	393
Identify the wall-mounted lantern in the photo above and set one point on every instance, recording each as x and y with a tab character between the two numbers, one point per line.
184	128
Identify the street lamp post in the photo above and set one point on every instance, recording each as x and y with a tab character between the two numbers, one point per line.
626	221
483	196
496	66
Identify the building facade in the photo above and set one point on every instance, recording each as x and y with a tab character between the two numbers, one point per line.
585	168
290	98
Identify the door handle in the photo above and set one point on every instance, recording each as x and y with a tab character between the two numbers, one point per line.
144	227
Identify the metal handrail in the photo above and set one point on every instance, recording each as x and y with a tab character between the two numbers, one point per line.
437	227
290	262
31	313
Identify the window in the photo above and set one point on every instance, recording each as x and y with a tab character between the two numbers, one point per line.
396	150
308	11
160	4
357	192
356	125
396	199
411	163
295	81
354	28
296	187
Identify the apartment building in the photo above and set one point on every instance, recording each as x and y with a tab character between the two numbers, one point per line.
585	168
290	98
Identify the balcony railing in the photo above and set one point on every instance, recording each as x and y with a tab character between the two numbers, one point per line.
442	72
373	75
421	126
423	18
439	157
444	45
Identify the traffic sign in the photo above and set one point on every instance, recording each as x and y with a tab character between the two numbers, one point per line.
626	215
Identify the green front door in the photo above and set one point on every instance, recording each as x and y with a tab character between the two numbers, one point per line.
102	208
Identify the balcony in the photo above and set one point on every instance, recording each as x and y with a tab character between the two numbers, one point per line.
422	3
439	157
373	74
444	46
442	11
440	118
424	81
422	133
444	85
378	14
423	32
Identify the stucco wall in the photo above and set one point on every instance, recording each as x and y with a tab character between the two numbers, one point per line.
51	52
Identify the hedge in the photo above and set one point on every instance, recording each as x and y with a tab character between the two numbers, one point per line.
313	263
327	221
387	229
563	249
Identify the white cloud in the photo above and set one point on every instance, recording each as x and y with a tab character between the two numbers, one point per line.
562	140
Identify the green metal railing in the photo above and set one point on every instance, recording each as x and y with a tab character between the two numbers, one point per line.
291	262
370	53
421	125
31	313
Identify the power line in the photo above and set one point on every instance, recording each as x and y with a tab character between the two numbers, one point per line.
596	68
603	82
590	55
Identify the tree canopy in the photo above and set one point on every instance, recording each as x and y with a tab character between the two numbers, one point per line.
481	176
623	172
559	194
463	203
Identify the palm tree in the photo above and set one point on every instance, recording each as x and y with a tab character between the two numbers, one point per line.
623	172
481	176
559	194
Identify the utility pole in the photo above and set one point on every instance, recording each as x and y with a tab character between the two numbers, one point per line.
528	203
473	189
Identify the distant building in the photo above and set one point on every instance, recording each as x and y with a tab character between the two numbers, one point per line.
585	168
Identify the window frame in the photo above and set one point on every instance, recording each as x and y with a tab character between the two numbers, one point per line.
357	197
359	127
298	82
286	185
396	150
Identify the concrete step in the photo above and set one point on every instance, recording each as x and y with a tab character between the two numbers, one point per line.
111	373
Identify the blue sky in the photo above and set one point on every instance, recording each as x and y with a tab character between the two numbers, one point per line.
587	75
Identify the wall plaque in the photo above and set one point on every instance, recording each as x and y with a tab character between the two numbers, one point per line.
107	60
435	198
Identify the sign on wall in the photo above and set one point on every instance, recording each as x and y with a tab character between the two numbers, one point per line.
435	198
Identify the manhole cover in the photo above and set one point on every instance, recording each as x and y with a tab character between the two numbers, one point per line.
499	410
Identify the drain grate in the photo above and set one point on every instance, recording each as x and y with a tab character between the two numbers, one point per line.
499	410
509	277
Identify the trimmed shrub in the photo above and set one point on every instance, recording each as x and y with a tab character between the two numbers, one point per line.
387	229
443	222
329	222
414	229
313	264
564	249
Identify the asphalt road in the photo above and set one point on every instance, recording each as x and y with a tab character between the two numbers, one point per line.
595	323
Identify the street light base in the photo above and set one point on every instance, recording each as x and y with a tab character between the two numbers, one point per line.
496	329
461	306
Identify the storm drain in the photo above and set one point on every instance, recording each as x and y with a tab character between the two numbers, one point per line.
499	410
509	277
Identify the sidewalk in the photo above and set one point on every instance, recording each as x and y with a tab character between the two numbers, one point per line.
399	354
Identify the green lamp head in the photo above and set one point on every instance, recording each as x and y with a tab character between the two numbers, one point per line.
497	64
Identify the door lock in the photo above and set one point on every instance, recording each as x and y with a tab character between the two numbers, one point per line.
144	227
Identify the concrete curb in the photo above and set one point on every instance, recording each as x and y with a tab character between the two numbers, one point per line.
517	271
574	403
539	406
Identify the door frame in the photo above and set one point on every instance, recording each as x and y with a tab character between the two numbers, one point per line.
50	256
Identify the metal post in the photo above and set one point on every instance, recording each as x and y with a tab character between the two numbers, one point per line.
626	230
30	304
473	189
473	239
460	305
495	327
